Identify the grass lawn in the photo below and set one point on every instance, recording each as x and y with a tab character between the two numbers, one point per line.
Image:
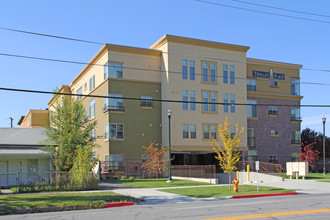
13	202
311	176
205	192
151	183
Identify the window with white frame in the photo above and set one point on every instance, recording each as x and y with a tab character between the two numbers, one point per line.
115	103
252	108
232	103
210	99
232	131
93	135
189	131
272	110
92	83
295	114
114	162
92	108
295	87
185	99
146	101
106	131
116	131
190	67
192	99
225	101
251	85
184	69
113	70
209	131
79	92
295	137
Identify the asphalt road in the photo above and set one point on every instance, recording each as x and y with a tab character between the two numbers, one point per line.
283	206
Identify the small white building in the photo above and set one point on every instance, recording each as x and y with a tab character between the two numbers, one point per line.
21	157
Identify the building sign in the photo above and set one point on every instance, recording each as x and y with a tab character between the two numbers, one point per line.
270	74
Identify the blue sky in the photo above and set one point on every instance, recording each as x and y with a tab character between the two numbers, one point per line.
140	24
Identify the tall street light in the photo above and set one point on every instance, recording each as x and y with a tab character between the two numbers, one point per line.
169	114
324	171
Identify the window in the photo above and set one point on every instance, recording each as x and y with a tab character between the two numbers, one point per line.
251	84
85	86
185	131
211	99
272	110
32	167
295	114
294	156
295	137
225	101
92	108
146	101
274	83
232	74
295	87
114	162
185	99
79	92
252	108
251	138
252	155
225	73
192	99
116	131
92	135
113	70
232	131
273	159
106	131
209	72
209	131
115	103
92	83
191	69
232	103
274	133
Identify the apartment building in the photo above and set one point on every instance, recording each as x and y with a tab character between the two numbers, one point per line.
185	69
34	119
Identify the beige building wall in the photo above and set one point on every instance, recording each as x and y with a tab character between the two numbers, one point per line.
35	119
177	49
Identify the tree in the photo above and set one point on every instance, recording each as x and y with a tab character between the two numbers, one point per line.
226	153
155	162
309	136
308	154
70	129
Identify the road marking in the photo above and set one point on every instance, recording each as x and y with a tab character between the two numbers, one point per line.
236	204
272	214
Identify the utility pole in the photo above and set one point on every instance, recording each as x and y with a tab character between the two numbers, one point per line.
11	121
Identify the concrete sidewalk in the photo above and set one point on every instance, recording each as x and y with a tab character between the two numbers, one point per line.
301	186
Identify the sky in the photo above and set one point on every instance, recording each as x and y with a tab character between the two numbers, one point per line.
140	24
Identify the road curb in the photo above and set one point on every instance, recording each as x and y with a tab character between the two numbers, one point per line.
264	195
118	204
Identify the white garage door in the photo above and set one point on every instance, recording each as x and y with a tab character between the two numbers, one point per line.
3	173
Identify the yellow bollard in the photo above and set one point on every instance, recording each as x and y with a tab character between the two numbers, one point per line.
237	175
248	173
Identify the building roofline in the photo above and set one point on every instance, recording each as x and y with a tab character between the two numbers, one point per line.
64	88
197	42
20	120
274	63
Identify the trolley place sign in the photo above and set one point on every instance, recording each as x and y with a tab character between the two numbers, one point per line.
270	74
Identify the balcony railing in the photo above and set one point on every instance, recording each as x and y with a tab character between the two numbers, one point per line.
119	108
251	141
295	118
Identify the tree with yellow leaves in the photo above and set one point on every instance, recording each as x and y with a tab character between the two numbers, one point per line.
227	153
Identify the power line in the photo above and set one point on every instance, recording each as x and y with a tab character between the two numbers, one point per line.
283	9
158	100
263	12
152	70
49	35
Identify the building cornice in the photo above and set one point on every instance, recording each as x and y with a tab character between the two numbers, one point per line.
64	88
272	63
274	96
197	42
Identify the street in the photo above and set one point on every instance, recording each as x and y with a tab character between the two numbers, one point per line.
318	203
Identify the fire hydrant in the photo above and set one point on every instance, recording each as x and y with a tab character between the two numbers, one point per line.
235	182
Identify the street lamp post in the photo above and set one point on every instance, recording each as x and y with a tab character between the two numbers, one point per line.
324	171
169	114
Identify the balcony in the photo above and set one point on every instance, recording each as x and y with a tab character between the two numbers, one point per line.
118	108
251	141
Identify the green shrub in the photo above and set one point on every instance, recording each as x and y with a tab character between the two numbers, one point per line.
131	178
137	178
123	178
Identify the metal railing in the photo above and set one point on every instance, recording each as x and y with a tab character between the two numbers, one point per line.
197	171
119	108
263	167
